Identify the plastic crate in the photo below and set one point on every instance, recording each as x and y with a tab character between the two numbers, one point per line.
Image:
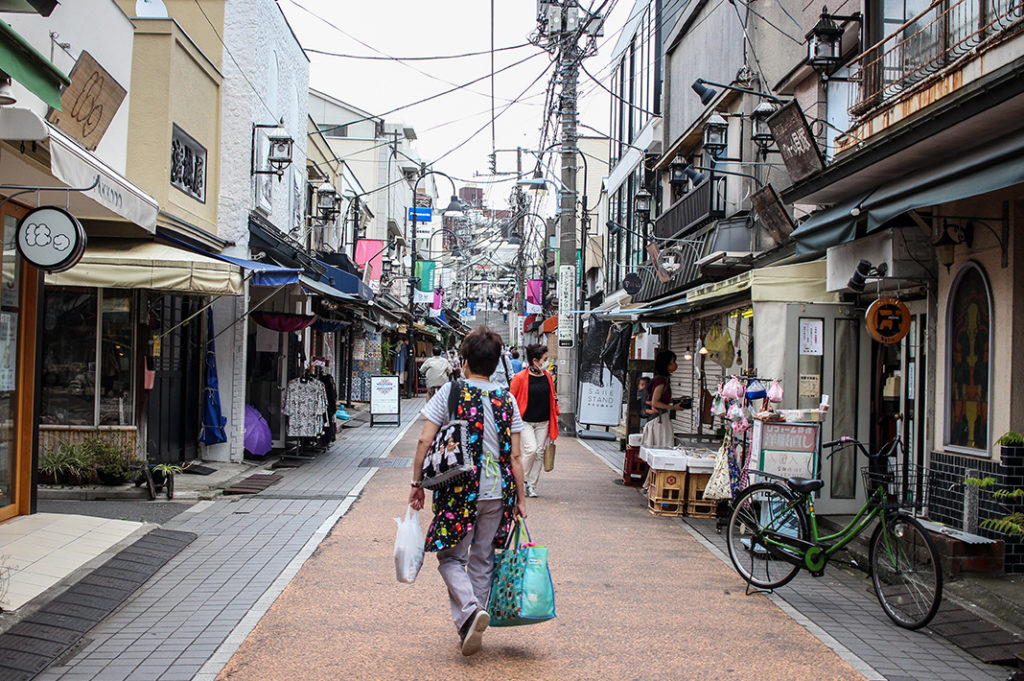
695	484
634	471
701	509
665	493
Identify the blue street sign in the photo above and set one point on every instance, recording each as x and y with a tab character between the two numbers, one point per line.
424	214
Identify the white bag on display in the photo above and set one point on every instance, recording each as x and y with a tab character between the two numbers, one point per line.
408	547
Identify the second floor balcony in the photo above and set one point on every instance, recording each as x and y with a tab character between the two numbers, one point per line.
926	58
704	203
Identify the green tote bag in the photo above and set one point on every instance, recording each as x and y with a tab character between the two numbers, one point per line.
521	589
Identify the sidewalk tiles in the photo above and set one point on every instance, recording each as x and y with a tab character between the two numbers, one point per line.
187	620
32	644
840	608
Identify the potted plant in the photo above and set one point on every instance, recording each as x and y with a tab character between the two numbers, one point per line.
54	465
113	466
1010	498
163	475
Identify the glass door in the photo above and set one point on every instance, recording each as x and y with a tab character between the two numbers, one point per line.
10	318
828	355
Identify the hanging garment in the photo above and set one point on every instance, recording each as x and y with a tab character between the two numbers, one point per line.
305	404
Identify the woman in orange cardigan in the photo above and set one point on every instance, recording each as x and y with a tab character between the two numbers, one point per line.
534	390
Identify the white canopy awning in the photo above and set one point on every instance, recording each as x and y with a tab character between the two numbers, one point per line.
76	167
135	264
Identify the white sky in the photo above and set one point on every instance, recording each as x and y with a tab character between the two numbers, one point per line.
405	28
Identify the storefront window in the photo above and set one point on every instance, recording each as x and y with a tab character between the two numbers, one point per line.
10	275
967	361
86	383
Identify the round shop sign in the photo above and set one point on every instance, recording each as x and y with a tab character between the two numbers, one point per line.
631	283
888	320
51	239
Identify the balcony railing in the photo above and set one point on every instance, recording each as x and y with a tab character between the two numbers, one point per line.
704	203
944	34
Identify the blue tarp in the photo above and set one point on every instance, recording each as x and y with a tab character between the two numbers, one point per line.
345	282
213	421
264	274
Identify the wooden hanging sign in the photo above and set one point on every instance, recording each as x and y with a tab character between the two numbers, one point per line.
89	103
888	320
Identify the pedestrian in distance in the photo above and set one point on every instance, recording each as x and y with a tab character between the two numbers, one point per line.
436	371
503	373
657	431
517	364
474	516
534	390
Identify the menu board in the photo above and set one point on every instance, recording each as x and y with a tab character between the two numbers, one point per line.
789	450
384	399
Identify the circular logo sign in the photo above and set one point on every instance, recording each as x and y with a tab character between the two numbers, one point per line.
51	239
631	283
888	320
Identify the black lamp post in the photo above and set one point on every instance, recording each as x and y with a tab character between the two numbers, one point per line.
454	209
825	42
327	201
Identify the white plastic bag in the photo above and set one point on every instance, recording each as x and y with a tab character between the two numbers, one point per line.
408	547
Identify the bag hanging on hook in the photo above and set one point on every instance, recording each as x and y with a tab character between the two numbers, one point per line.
756	391
775	392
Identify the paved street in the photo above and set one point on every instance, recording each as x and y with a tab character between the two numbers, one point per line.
247	550
841	608
637	597
298	582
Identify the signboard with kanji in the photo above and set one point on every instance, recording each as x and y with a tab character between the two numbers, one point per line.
792	135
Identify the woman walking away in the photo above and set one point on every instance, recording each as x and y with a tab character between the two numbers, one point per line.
658	431
474	516
534	390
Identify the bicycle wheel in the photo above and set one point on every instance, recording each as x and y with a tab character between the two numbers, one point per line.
760	508
905	570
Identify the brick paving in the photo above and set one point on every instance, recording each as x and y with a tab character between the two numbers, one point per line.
195	610
841	608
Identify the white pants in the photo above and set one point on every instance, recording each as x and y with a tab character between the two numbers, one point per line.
467	568
533	442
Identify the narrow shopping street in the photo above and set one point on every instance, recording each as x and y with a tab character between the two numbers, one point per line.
637	597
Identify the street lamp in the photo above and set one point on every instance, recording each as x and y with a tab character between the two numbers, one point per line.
761	133
706	93
279	155
327	201
642	202
536	184
454	209
716	134
824	44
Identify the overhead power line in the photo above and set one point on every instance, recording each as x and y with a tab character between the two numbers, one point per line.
435	57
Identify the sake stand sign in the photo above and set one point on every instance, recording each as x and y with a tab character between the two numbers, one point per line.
789	450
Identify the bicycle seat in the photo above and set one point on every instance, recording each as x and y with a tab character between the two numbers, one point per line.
803	485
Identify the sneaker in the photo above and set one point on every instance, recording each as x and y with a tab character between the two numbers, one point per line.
531	491
472	632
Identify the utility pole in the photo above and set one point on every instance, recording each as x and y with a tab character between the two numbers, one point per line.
561	26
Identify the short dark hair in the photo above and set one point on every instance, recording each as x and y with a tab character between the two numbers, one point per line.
535	351
437	351
481	349
662	360
515	354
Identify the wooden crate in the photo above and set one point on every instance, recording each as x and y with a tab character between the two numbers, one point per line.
695	484
665	494
701	509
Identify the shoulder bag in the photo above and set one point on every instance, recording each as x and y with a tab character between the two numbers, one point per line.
448	459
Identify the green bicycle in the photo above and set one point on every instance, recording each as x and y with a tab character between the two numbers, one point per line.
773	534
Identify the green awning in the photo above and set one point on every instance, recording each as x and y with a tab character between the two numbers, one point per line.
827	227
25	64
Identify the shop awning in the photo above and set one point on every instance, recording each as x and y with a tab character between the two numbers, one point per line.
719	289
135	264
263	273
323	289
972	173
550	324
25	64
76	167
828	227
798	283
346	283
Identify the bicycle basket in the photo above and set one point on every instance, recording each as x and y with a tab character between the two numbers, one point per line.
906	486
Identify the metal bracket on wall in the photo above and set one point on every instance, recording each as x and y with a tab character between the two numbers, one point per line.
22	189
